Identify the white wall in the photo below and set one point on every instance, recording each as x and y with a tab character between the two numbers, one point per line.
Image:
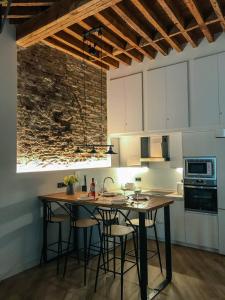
20	223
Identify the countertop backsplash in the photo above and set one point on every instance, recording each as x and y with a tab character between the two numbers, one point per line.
157	178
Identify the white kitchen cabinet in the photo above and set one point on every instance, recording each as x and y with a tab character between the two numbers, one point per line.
221	216
156	102
177	226
167	98
116	106
199	143
175	150
204	106
125	104
221	72
130	151
177	221
133	103
201	230
177	96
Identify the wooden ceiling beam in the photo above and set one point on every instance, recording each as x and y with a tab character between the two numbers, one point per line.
79	46
50	41
192	6
29	3
177	19
23	12
151	17
137	26
77	31
60	15
188	29
218	12
112	39
109	20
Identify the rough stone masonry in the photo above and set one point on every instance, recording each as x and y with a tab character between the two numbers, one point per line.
51	106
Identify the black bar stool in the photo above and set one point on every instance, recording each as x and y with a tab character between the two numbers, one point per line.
113	231
59	219
84	224
150	222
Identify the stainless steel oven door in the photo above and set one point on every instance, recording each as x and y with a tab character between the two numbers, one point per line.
200	198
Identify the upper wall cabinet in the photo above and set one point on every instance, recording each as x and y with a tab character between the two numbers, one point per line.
125	104
166	106
205	99
221	71
208	99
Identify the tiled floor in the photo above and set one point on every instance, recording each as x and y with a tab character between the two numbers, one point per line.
196	275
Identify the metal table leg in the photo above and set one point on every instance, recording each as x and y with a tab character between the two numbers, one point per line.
45	223
168	278
168	244
143	256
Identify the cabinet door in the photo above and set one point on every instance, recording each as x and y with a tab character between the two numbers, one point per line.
176	96
205	101
177	221
133	96
221	216
221	66
202	230
116	106
156	99
130	151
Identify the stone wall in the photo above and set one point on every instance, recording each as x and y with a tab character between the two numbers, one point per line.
51	106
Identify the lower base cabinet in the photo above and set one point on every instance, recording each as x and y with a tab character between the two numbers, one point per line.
177	228
201	230
191	228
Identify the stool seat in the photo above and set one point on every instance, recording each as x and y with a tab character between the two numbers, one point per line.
135	222
118	230
58	218
84	223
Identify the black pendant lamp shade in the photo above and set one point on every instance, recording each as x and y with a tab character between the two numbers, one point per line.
93	150
78	150
110	150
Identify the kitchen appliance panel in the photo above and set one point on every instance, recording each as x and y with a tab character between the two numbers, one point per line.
201	198
200	168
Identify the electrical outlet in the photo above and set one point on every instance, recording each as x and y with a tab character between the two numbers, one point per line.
61	185
138	179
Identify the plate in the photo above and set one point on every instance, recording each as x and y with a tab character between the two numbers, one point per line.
110	194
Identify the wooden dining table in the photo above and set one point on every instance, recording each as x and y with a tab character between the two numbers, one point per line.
141	207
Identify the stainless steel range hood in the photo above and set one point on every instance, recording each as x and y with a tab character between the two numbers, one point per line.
155	149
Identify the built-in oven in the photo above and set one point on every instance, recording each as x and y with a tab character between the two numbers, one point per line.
200	198
200	184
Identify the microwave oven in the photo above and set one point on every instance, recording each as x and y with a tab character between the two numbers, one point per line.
200	168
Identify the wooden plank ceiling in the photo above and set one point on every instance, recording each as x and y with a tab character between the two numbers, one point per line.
132	29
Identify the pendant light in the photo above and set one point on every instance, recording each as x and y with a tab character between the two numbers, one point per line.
110	150
82	148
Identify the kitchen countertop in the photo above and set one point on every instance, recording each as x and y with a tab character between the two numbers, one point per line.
165	193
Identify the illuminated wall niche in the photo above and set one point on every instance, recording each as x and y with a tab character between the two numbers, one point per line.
50	111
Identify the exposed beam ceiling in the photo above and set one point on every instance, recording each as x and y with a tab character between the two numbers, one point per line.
193	7
131	29
59	16
218	11
177	19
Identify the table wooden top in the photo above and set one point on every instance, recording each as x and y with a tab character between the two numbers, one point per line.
141	206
